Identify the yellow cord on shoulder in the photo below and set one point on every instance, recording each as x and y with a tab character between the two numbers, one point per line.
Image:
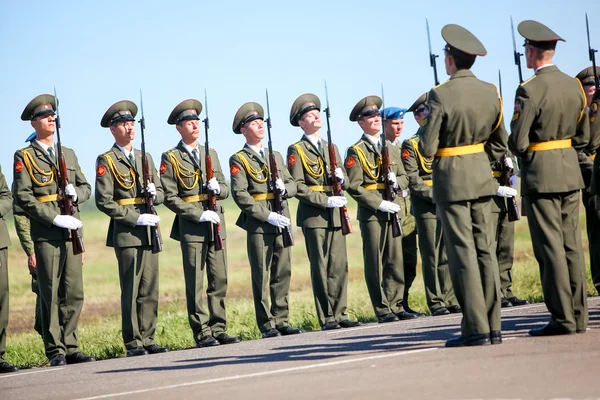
30	164
366	165
119	177
253	172
422	160
183	172
307	163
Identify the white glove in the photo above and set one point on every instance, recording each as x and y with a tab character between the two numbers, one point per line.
508	163
339	175
67	222
148	220
213	185
336	201
70	191
505	191
210	216
392	178
388	207
278	220
151	188
280	185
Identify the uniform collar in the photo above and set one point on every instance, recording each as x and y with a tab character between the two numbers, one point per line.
126	152
45	147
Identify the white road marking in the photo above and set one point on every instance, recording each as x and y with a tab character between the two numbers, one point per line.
258	374
15	374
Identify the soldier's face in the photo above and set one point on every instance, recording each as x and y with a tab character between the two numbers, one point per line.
44	125
371	125
393	128
254	131
311	122
589	93
189	131
124	132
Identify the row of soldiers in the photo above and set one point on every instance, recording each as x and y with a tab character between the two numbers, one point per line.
461	219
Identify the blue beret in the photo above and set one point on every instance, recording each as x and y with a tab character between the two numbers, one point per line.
393	113
31	137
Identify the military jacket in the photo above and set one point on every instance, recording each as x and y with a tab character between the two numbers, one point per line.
35	184
117	181
249	179
548	107
183	181
419	170
311	171
463	111
364	168
595	132
6	203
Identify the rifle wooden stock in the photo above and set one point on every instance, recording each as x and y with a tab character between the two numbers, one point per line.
211	202
288	239
389	192
337	187
66	204
511	203
156	243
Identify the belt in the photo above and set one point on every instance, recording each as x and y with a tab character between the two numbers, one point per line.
263	196
550	145
48	197
460	150
428	182
195	198
496	174
321	188
131	201
374	186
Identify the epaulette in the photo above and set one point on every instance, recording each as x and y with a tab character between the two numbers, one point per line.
528	80
443	83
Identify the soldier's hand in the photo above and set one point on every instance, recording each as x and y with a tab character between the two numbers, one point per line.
151	188
280	185
278	220
70	191
505	191
213	185
148	220
392	178
67	222
508	163
210	216
388	207
336	201
31	264
339	174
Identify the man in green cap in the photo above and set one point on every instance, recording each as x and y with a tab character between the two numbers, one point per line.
59	271
120	194
439	292
270	261
382	252
463	130
318	213
550	126
184	177
586	162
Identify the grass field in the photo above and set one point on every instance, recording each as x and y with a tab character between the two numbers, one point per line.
99	327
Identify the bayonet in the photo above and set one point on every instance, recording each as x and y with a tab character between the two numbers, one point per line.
516	54
592	53
432	57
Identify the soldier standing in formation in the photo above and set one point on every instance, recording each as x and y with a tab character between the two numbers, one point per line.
270	261
382	253
439	292
318	214
181	174
119	194
549	127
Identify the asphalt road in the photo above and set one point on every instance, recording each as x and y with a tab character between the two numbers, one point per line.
404	359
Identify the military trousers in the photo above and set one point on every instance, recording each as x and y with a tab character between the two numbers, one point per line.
439	291
592	222
37	324
3	300
469	240
384	271
554	225
271	271
198	257
60	282
326	249
505	249
409	257
138	277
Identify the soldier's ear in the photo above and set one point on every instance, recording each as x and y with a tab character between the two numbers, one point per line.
33	123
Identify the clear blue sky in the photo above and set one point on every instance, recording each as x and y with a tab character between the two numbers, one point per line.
99	52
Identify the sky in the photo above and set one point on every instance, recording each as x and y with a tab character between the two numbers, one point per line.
99	52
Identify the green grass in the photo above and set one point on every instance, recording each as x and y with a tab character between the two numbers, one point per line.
100	323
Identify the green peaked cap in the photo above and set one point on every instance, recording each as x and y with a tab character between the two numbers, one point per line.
422	99
303	104
366	106
186	110
43	104
461	39
124	110
246	113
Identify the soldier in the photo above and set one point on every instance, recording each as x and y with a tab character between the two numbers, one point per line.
318	214
119	194
434	261
35	190
462	128
270	261
382	253
586	162
394	124
549	127
181	175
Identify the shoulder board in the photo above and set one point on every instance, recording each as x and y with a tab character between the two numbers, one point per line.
443	83
106	153
528	80
497	90
24	148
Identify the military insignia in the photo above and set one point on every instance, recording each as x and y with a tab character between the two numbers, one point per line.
234	170
259	176
291	160
45	179
405	154
101	170
515	116
424	122
349	162
315	168
18	166
163	168
594	108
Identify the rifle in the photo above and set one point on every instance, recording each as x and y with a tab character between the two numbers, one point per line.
146	179
516	54
335	182
592	54
389	191
288	240
211	203
432	56
67	206
511	202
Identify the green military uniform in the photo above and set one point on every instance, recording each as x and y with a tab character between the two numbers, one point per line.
463	128
183	176
309	164
595	184
586	162
270	261
120	195
59	271
550	126
382	253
